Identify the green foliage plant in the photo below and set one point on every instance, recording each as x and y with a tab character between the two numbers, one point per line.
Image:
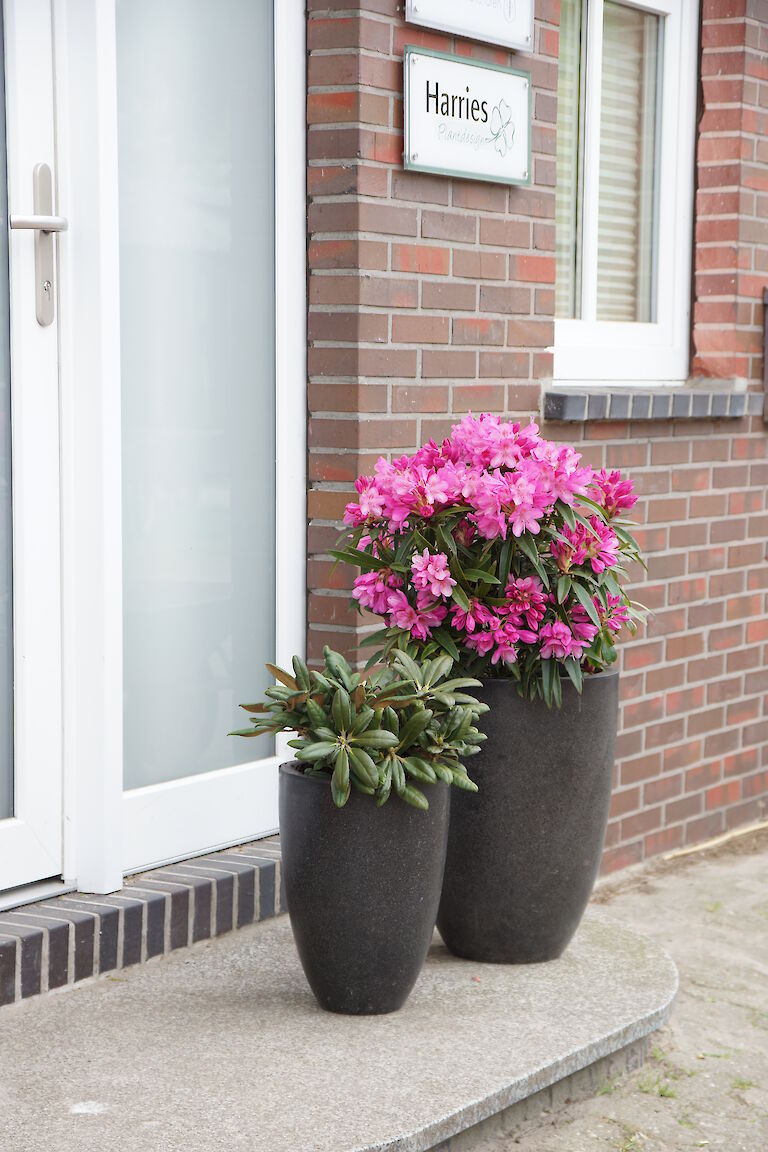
395	729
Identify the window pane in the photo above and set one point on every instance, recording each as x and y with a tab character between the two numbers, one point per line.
196	178
567	193
626	260
6	550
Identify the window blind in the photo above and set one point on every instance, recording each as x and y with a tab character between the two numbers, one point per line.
628	167
568	254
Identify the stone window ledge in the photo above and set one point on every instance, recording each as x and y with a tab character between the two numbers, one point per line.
603	403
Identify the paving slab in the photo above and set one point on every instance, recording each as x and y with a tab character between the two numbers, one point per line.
705	1083
223	1047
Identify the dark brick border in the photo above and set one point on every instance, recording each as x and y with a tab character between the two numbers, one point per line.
62	941
690	404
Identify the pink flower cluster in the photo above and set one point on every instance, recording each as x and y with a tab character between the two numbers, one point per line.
507	477
599	546
489	481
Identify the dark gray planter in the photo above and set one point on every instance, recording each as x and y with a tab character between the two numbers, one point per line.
524	852
362	885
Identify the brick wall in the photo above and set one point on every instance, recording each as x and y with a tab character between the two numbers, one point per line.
731	251
430	296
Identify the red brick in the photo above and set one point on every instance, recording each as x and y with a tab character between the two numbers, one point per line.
421	258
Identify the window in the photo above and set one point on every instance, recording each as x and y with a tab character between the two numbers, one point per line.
624	201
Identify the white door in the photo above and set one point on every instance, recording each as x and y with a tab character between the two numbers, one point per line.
30	621
183	381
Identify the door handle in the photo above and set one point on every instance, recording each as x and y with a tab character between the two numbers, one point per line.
44	224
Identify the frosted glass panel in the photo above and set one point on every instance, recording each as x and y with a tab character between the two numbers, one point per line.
196	176
6	555
626	238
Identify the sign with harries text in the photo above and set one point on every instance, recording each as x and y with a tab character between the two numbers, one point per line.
467	119
507	22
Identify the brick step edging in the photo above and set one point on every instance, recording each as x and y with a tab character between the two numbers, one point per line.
60	942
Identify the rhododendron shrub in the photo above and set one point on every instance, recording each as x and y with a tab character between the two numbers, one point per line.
499	548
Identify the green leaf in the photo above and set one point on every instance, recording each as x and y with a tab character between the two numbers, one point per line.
547	674
458	594
341	710
594	505
317	751
380	739
398	775
441	666
415	797
362	560
338	667
611	583
316	714
460	682
301	672
363	767
385	786
461	780
409	666
585	599
414	727
566	512
563	588
377	637
442	771
505	559
557	689
477	575
249	732
419	769
446	643
573	668
528	547
446	539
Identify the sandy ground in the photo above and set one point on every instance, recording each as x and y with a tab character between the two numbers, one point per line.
705	1084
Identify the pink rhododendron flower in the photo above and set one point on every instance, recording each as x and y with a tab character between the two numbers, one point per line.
431	571
616	615
571	551
614	494
582	627
526	599
602	552
372	589
418	621
558	641
477	616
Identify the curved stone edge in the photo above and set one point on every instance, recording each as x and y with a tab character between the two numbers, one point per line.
542	1077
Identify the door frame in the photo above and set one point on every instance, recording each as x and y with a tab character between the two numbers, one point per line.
109	832
31	840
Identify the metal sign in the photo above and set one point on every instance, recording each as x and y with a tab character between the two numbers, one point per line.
467	119
507	22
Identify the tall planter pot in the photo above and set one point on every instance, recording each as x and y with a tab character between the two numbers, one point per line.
363	887
524	852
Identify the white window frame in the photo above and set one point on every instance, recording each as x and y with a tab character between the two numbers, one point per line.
109	832
592	351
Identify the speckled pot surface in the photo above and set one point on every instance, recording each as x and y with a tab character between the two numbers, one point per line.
524	852
363	886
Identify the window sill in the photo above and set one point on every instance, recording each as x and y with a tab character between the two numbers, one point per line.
576	404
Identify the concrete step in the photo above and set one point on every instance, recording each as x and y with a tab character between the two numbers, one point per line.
222	1046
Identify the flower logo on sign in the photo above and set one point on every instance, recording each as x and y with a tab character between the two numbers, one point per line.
502	128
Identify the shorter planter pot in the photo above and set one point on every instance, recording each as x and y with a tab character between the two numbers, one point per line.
524	852
363	887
